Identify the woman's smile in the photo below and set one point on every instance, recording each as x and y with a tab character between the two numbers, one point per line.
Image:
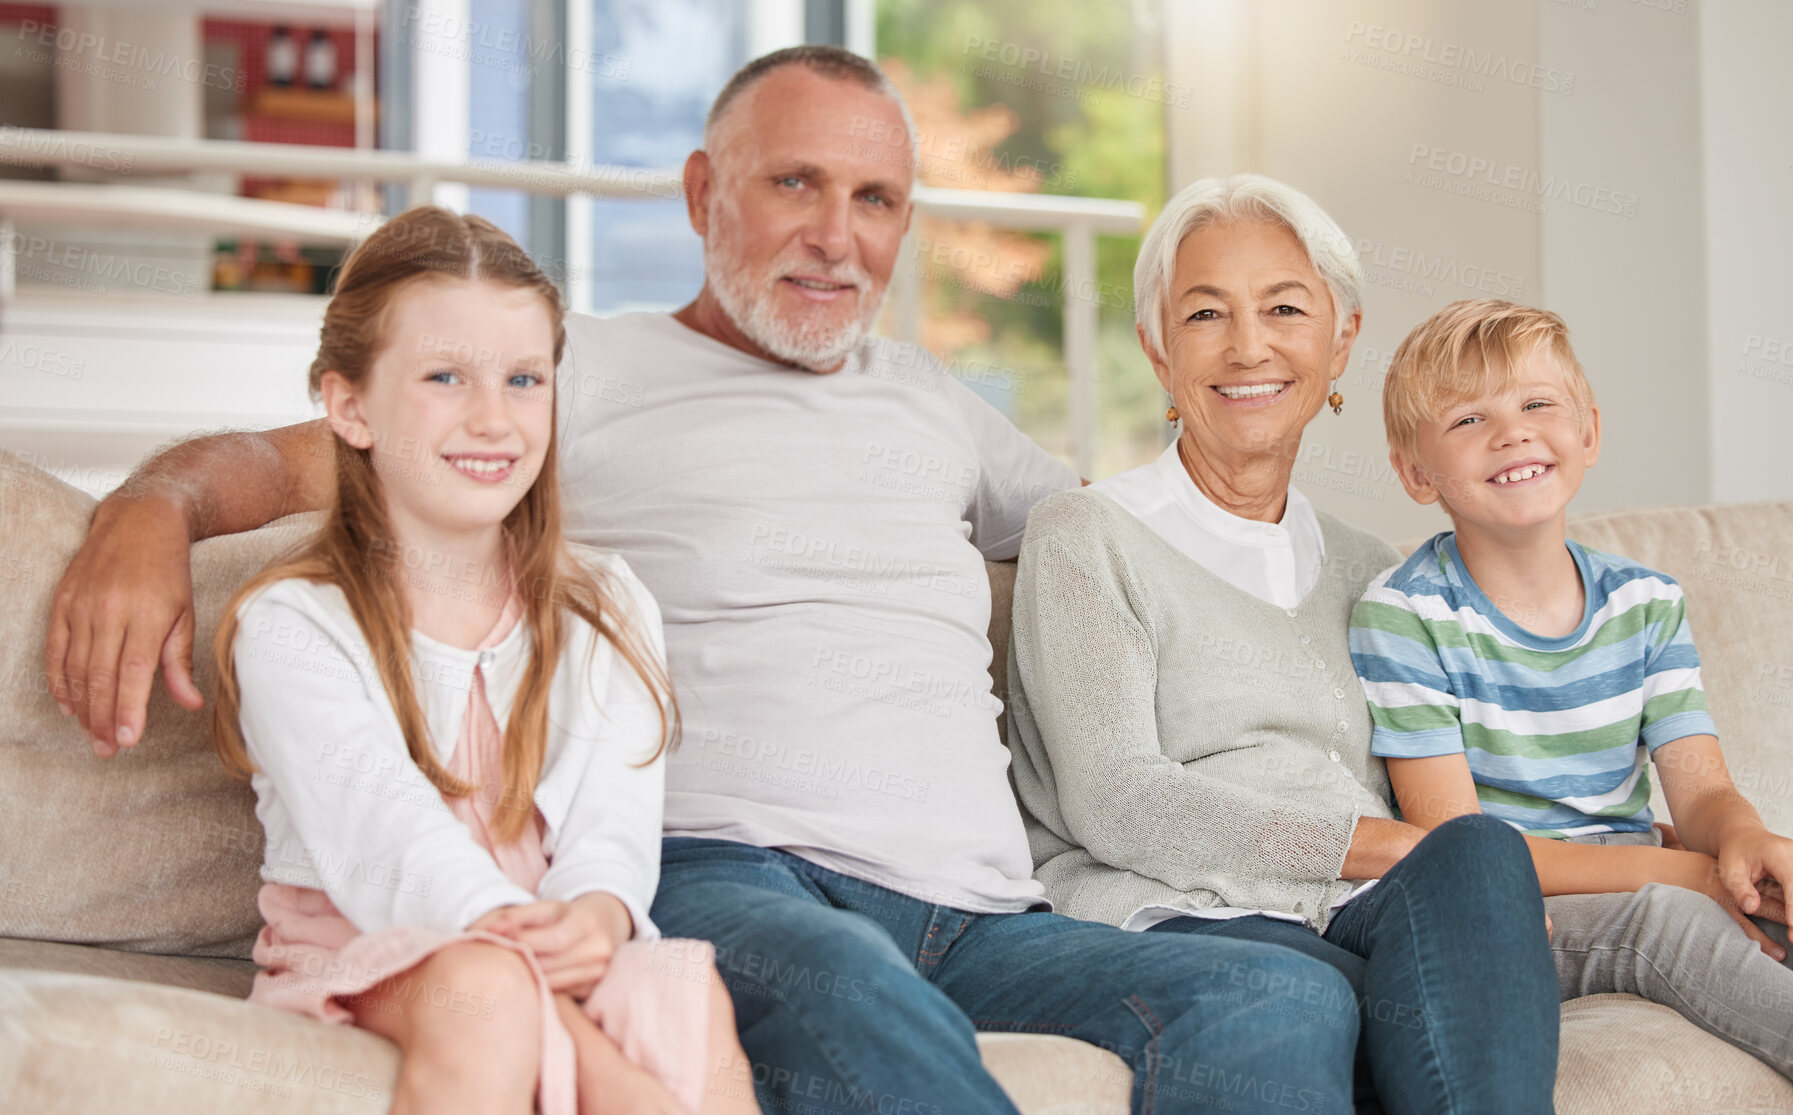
1253	394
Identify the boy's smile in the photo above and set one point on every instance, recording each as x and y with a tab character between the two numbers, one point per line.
1510	460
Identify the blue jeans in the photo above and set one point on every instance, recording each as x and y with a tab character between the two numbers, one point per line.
1452	969
853	998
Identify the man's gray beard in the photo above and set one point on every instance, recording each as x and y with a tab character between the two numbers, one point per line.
748	303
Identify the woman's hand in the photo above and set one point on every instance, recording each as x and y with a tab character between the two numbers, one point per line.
572	941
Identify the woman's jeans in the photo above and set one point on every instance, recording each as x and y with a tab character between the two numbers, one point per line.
1452	970
1678	948
851	997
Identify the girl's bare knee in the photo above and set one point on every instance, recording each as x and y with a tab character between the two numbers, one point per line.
476	981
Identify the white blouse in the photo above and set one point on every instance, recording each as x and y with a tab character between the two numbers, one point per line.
1277	562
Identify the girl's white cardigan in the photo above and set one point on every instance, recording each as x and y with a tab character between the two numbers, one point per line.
346	810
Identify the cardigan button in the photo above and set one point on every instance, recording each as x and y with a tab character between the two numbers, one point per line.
487	657
1290	612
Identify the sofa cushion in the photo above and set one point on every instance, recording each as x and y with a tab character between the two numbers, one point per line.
1735	563
217	974
157	850
79	1043
1623	1055
76	1042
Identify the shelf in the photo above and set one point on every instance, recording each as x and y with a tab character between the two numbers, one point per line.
295	103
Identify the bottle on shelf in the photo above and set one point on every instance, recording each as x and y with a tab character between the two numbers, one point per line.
320	60
282	57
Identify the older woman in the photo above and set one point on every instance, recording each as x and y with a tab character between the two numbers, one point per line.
1190	742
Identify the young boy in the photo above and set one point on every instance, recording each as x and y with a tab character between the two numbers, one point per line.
1514	672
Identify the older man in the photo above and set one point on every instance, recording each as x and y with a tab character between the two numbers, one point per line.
812	507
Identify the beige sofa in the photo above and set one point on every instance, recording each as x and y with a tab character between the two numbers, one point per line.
127	888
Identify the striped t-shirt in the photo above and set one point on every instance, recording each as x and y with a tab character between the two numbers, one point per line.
1557	730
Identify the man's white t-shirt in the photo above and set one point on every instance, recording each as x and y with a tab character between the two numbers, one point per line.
816	545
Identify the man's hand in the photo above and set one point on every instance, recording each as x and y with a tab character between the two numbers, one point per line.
124	604
572	941
126	601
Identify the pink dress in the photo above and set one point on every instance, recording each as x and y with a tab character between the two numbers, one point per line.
653	1002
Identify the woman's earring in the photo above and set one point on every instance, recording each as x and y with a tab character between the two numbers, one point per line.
1171	415
1335	399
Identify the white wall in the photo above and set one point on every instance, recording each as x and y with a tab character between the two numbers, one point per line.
1747	120
142	103
89	385
1551	152
1631	285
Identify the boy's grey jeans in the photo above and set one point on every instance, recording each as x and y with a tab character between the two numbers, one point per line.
1678	948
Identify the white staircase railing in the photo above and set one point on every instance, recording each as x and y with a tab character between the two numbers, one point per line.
1077	220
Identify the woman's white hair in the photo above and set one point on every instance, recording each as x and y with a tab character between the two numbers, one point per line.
1235	200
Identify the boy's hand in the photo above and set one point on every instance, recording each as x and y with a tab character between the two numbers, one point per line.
1757	856
1703	873
572	941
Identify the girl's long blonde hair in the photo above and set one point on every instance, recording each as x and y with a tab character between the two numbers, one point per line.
355	551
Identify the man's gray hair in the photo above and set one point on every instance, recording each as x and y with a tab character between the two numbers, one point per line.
1239	199
837	63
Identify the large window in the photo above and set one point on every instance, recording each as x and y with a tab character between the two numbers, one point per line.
502	65
1017	96
655	69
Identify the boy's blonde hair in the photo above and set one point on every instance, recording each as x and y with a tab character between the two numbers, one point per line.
1469	350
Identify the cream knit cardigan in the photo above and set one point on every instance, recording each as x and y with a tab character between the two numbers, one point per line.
1178	741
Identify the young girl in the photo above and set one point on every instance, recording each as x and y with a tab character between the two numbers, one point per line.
453	722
